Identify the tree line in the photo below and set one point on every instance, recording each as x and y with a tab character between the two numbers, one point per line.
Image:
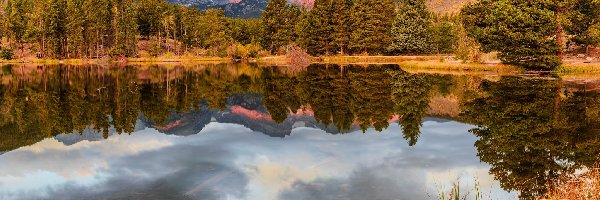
533	34
98	28
131	28
65	99
548	128
366	27
532	131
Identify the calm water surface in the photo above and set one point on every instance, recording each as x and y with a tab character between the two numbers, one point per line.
260	133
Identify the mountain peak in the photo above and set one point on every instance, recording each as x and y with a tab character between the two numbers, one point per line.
237	8
254	8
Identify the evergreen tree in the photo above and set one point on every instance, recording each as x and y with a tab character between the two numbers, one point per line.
523	32
584	22
56	27
36	26
99	31
274	28
371	26
412	30
189	27
445	37
15	22
341	25
75	28
148	19
246	31
126	29
293	13
321	28
305	32
214	26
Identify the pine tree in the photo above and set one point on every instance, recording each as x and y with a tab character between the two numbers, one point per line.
36	26
305	32
75	28
214	25
149	15
371	26
341	25
56	27
445	36
524	33
15	22
100	31
321	27
126	29
584	21
412	29
293	13
274	25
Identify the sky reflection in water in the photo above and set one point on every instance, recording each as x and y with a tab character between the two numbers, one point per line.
228	161
249	132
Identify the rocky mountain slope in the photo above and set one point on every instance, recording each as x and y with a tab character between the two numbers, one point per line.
254	8
447	6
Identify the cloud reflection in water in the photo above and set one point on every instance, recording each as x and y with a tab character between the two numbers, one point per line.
228	161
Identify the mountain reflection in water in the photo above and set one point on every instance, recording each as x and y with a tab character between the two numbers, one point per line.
350	132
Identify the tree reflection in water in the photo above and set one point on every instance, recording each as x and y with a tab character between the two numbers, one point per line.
530	129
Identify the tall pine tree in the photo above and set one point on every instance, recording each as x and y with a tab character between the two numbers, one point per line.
75	28
15	22
126	29
412	30
293	13
341	25
371	26
274	28
322	27
525	33
56	27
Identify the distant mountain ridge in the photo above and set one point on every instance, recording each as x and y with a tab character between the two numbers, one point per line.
447	6
232	8
254	8
247	110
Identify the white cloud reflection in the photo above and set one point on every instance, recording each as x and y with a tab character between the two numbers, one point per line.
227	161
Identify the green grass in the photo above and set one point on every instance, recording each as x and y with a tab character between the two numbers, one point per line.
376	59
455	193
457	66
578	68
178	59
49	61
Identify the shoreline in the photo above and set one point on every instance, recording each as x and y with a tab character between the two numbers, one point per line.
427	62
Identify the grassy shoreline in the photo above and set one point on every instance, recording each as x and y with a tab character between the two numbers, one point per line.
410	62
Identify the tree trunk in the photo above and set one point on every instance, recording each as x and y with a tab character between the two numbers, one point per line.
116	21
22	49
559	33
555	113
587	49
67	48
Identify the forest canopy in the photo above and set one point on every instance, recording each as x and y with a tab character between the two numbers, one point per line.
539	32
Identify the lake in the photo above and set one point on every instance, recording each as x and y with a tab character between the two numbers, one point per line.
241	131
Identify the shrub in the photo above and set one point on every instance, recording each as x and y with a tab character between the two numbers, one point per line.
577	186
253	50
467	49
169	55
154	49
7	54
238	51
297	57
